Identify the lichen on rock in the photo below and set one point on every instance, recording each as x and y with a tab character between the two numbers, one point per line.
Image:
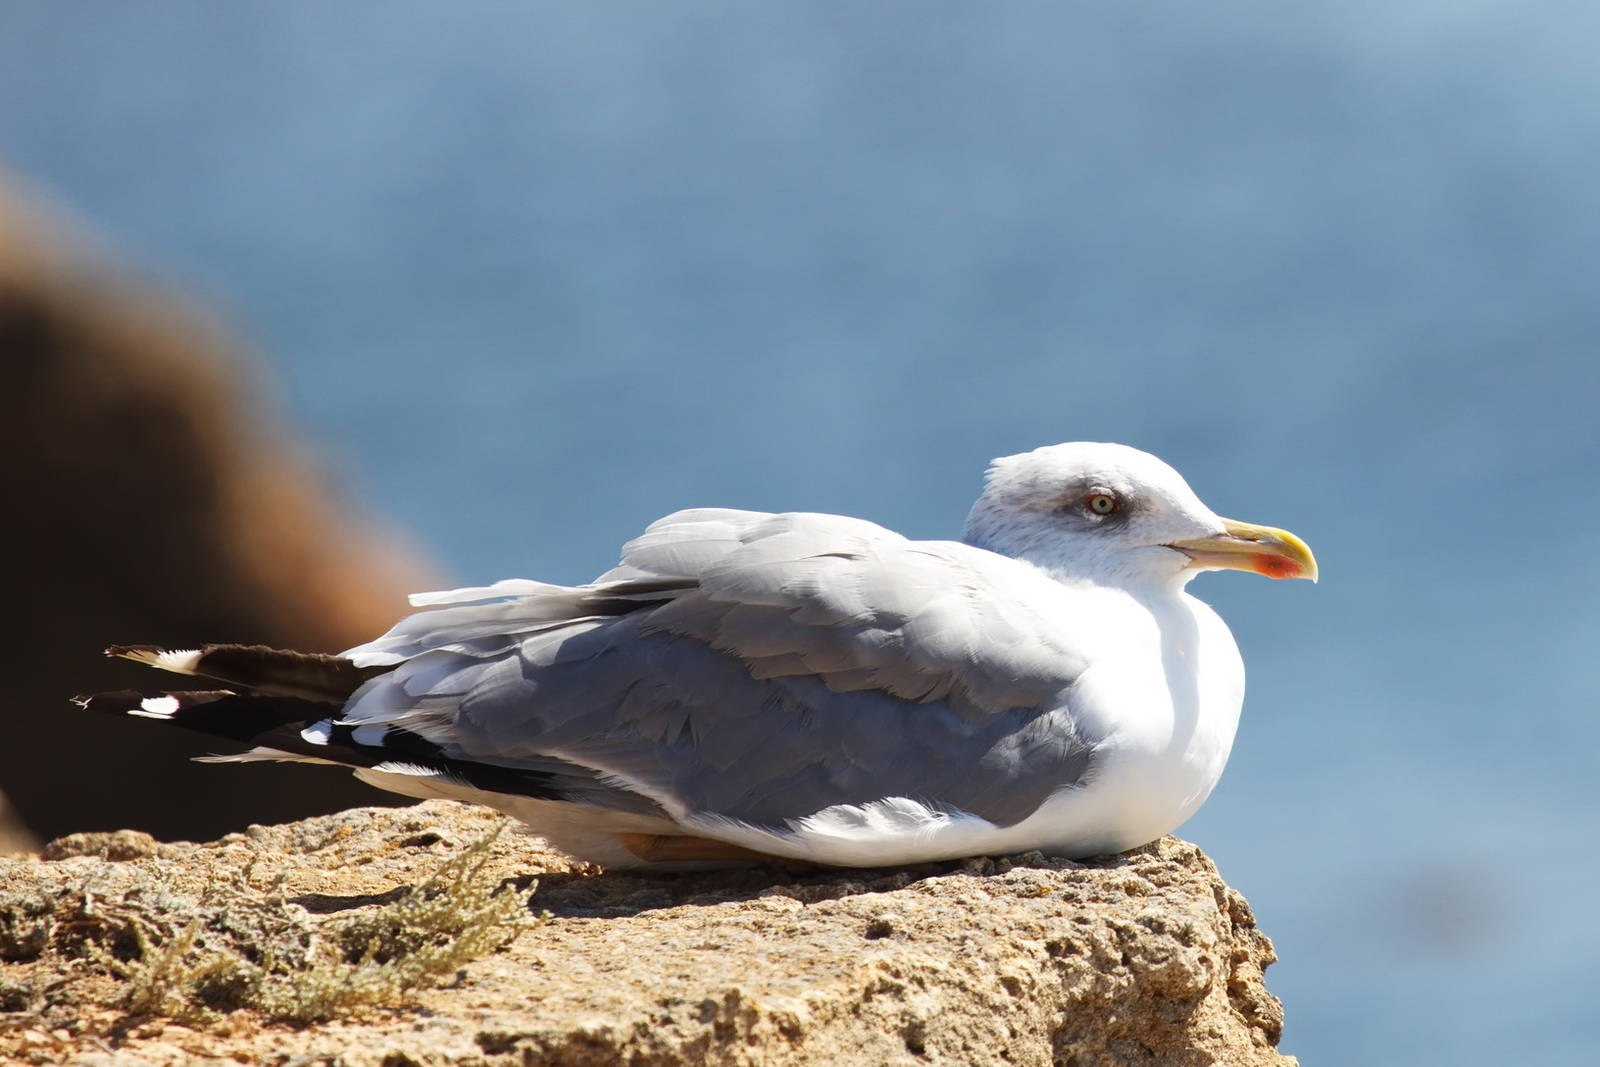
1143	957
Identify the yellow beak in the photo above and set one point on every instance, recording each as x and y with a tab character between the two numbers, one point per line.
1244	546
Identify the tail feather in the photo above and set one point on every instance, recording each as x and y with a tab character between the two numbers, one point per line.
263	670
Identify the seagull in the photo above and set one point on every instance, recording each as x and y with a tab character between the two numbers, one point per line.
801	688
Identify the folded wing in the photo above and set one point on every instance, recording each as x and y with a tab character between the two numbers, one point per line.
754	667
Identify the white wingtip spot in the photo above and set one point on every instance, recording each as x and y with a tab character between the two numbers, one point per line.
318	733
156	708
177	660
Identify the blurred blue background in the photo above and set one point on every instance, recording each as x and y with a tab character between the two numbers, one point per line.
530	276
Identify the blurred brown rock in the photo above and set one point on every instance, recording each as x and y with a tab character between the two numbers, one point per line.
147	500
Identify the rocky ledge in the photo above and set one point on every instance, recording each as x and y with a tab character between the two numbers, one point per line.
119	950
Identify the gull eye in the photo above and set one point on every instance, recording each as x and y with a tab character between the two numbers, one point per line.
1101	503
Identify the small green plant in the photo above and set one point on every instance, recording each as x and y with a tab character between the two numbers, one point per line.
294	971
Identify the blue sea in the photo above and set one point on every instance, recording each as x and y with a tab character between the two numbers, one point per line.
528	276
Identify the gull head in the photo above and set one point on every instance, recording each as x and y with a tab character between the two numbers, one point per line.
1113	514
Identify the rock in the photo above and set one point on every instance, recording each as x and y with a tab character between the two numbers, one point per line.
116	845
1146	957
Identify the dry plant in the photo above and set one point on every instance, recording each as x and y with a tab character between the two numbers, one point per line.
261	952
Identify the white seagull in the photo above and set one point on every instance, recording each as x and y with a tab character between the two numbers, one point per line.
802	687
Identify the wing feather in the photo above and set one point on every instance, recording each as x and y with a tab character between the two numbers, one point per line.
757	666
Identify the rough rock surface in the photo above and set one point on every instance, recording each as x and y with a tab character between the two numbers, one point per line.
1146	957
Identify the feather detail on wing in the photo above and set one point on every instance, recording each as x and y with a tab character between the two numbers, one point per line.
268	671
760	666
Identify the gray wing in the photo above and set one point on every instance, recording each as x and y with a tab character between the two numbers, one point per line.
761	667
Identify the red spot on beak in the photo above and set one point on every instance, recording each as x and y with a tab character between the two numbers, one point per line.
1278	567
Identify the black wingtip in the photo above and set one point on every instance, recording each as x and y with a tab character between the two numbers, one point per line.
123	650
118	703
279	723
